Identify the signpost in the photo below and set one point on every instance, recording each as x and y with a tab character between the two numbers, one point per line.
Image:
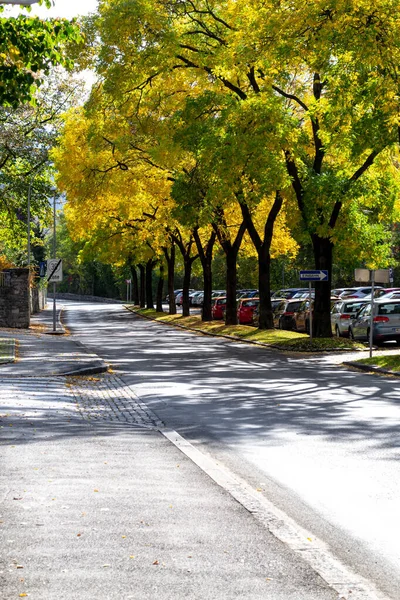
318	275
54	270
128	290
374	276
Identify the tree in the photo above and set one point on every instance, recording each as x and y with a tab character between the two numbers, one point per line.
29	49
340	110
27	134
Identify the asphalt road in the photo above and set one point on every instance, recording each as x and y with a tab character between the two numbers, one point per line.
318	440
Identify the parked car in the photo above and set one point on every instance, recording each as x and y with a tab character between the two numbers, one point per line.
302	316
246	310
303	295
343	312
217	294
197	299
179	298
287	293
341	292
363	292
285	316
388	293
218	307
192	297
386	322
246	294
275	304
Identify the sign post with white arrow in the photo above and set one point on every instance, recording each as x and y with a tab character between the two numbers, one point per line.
314	275
318	275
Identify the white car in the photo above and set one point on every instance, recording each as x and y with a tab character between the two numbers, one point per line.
344	312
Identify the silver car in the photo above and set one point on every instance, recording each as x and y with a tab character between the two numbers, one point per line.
342	314
386	322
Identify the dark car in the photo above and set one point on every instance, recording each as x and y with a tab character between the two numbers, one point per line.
276	303
285	317
287	293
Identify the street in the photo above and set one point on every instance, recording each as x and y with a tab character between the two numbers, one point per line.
301	448
320	441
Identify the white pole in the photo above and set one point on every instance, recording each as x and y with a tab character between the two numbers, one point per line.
310	308
372	313
29	223
54	256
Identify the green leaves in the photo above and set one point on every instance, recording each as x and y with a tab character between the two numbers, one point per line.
29	48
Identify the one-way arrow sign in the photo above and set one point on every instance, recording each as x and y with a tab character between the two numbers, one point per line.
314	275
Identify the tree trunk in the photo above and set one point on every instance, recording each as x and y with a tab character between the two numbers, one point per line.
170	258
231	285
149	283
231	252
323	251
187	261
185	249
135	285
142	299
206	255
266	320
264	257
160	289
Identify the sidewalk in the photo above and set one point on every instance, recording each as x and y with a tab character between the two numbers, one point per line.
95	503
37	352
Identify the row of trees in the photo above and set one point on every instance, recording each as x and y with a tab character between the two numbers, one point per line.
35	91
263	123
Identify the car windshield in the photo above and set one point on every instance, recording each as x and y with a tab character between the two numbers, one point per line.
292	306
249	303
389	309
352	307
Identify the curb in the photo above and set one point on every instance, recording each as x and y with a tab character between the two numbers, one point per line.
238	339
7	350
371	369
86	371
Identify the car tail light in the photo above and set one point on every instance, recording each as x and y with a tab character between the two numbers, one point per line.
381	319
345	316
288	314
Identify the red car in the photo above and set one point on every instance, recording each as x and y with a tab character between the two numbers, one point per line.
219	307
246	310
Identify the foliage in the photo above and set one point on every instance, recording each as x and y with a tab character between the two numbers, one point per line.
26	135
29	49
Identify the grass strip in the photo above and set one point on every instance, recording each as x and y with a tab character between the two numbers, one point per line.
278	338
389	362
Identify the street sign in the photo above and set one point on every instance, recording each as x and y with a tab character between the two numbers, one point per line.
42	268
320	275
54	270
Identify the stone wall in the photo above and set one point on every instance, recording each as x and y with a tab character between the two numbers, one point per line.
38	299
14	298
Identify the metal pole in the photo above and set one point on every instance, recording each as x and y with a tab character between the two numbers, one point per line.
310	308
29	223
371	325
54	256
